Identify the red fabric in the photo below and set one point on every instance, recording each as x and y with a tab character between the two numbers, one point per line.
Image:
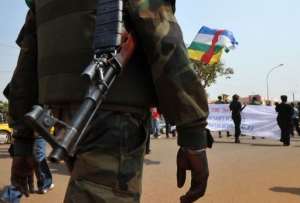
210	53
155	115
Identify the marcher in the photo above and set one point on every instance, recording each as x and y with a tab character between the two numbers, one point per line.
42	171
276	104
57	44
170	129
255	101
9	193
295	120
284	120
220	100
227	102
236	109
41	168
155	120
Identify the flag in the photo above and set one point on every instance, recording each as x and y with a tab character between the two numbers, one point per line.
209	44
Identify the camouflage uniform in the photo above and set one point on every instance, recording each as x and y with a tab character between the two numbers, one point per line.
109	162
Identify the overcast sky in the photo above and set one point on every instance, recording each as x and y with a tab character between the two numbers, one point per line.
267	31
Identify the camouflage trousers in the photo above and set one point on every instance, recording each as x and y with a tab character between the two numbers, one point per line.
108	167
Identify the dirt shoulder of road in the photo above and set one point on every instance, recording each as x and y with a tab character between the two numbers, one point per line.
260	171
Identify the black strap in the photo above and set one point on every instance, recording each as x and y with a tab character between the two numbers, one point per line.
173	3
109	25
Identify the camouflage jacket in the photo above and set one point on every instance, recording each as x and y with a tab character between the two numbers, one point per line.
181	97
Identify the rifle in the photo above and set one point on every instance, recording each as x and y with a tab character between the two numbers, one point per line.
110	56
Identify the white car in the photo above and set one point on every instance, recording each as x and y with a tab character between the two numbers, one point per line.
5	133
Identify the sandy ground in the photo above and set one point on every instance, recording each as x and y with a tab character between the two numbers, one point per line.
255	171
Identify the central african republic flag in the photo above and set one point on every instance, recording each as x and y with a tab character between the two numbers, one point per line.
209	44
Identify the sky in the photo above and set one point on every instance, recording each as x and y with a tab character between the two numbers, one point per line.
267	31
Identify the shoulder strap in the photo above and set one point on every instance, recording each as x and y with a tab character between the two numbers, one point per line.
109	25
173	3
29	3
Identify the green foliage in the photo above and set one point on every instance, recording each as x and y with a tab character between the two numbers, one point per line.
209	73
3	107
3	111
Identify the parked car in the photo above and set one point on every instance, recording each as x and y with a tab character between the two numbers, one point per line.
5	133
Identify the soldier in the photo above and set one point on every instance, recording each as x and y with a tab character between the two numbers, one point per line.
56	46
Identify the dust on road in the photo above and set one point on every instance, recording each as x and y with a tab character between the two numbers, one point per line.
255	171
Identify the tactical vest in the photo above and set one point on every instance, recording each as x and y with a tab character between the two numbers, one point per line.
65	36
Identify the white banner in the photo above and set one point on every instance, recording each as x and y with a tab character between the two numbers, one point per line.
257	120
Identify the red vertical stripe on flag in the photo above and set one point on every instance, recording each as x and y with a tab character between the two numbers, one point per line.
210	53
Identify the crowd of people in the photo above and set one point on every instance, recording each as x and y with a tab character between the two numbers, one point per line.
159	126
287	118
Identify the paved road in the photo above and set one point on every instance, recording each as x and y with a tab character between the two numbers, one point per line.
255	171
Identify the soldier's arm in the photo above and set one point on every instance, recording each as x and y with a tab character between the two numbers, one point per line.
23	87
182	98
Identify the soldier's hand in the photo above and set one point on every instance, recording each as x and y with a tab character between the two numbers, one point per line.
196	162
22	171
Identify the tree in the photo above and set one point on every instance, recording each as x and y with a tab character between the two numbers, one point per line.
3	111
3	107
209	73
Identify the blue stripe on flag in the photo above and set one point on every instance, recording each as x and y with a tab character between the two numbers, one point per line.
207	31
227	33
